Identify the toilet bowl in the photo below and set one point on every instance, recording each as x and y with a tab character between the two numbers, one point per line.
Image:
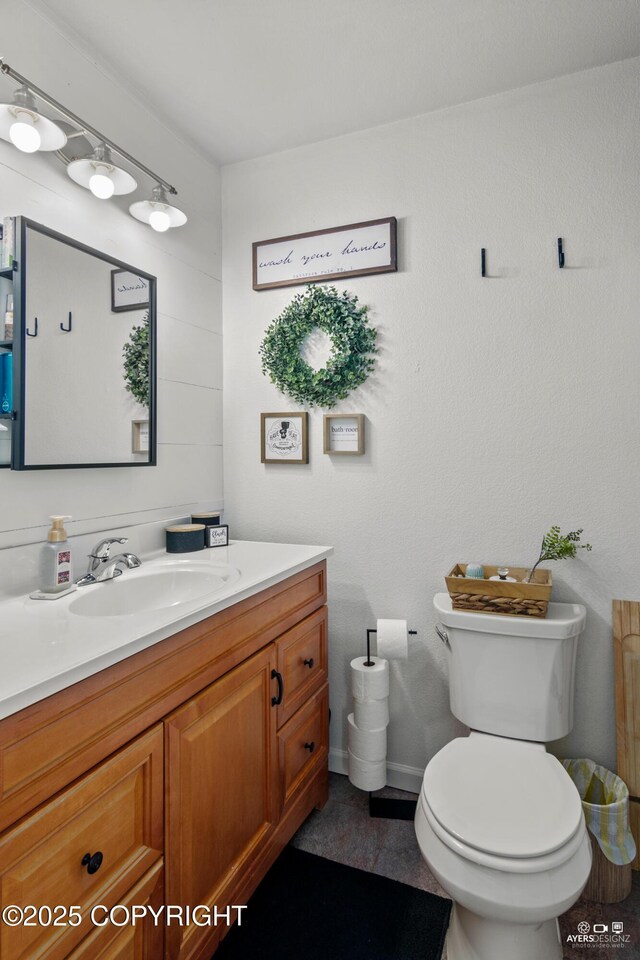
499	821
501	827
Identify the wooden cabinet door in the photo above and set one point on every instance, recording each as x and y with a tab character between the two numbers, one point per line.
220	792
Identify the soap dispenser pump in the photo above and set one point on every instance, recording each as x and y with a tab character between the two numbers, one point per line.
56	568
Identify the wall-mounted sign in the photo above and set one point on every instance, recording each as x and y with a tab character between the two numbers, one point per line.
128	291
344	433
350	251
283	438
140	436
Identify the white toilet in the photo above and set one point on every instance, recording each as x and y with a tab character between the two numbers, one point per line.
499	821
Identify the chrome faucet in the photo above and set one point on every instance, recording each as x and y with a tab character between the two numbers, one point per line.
102	566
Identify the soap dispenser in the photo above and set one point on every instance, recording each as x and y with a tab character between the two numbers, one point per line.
56	568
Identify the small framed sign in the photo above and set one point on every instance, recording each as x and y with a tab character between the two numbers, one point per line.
128	291
283	437
350	251
217	536
140	436
344	434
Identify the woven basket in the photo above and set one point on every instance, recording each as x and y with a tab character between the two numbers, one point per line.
498	596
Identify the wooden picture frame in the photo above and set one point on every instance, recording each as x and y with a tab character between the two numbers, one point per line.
128	291
284	437
346	438
353	250
140	436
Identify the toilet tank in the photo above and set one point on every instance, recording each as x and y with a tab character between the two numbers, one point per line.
512	676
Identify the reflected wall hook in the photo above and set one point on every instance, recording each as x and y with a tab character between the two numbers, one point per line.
28	332
483	262
67	329
560	253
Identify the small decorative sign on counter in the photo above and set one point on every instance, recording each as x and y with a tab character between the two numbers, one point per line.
353	250
217	536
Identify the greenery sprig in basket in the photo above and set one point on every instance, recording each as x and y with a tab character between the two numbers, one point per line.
353	346
556	546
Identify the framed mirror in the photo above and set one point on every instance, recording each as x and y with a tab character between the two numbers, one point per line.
84	356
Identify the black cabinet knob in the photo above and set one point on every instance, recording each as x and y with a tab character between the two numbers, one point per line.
308	663
92	862
310	746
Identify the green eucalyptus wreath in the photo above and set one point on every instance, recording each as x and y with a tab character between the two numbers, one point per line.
136	362
353	343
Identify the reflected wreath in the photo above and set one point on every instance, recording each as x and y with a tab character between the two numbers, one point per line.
136	362
353	344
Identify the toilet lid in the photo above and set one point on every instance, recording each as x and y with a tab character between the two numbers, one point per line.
505	797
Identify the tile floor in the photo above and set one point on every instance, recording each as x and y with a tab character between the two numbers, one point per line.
343	831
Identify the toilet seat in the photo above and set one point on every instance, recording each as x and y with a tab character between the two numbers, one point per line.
505	804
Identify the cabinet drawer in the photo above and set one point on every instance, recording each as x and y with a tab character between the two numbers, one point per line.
302	661
116	810
303	744
142	940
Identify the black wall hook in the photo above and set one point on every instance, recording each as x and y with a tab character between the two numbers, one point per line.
69	326
483	262
560	253
28	332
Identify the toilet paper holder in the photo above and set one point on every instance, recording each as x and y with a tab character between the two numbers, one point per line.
388	808
371	663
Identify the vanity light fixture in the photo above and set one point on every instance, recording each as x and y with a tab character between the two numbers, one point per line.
99	174
27	129
158	212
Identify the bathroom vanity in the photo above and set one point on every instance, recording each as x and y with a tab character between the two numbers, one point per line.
173	776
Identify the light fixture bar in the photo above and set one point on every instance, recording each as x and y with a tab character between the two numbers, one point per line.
87	128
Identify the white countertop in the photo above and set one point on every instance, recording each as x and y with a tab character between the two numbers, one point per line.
44	647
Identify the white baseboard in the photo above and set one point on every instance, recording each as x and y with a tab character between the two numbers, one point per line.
398	774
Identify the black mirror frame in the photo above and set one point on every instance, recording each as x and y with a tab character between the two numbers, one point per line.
19	353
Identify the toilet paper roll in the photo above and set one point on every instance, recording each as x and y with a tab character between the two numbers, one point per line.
371	714
367	744
367	774
393	639
370	683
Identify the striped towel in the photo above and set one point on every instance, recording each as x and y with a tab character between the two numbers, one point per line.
605	801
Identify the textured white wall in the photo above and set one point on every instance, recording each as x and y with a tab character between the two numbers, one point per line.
185	261
499	406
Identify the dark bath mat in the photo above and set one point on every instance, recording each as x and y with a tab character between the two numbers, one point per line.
311	908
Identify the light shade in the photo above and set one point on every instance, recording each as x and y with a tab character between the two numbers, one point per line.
38	132
158	212
99	174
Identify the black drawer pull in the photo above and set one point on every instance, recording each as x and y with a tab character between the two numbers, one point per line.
92	862
276	701
310	746
308	663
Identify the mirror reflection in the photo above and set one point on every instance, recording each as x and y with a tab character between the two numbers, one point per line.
88	342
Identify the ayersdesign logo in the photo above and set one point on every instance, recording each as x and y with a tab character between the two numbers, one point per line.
598	935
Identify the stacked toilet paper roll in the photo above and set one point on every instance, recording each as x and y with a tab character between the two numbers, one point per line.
367	735
367	725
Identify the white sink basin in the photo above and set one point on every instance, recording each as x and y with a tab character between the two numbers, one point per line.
152	588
